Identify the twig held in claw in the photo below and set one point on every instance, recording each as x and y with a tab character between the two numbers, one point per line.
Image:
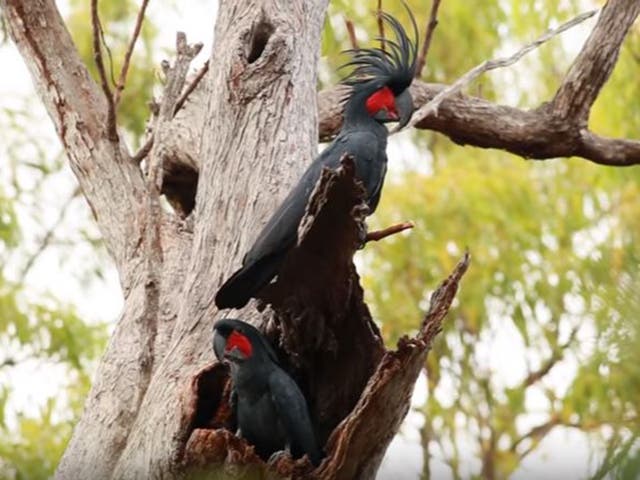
386	232
127	57
97	55
431	26
432	106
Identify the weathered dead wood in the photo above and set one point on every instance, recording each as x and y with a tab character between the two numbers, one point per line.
323	327
344	345
356	447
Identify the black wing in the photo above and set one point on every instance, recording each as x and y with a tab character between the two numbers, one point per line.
291	407
262	262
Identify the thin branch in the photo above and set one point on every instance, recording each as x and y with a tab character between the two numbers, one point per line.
109	55
352	33
536	434
556	356
381	26
431	26
386	232
104	83
144	151
432	106
127	57
191	87
148	145
48	236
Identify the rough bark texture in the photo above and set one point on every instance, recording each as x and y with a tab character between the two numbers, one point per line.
158	403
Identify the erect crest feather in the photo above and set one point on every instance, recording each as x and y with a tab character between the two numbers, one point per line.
395	66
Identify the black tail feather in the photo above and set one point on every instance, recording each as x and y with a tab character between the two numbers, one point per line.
247	282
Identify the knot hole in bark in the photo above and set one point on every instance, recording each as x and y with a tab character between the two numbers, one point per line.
258	39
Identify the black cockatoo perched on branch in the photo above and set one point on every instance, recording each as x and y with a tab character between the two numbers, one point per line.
380	84
270	409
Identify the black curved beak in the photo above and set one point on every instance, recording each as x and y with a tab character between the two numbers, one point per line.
219	344
404	106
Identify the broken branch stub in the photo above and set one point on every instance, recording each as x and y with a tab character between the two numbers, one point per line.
358	393
317	303
356	447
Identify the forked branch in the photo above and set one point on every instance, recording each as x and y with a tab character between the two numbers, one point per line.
555	129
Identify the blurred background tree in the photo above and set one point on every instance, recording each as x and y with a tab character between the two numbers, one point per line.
544	335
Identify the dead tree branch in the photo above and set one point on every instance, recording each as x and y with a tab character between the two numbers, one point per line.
380	26
389	391
353	40
146	148
191	87
431	26
361	417
97	56
431	107
127	57
386	232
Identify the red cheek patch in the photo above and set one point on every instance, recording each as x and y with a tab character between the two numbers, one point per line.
383	99
239	341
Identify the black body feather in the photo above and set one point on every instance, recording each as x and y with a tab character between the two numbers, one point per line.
270	409
362	136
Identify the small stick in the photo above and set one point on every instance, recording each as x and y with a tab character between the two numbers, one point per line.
386	232
352	33
431	26
381	27
97	55
127	57
191	87
432	106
